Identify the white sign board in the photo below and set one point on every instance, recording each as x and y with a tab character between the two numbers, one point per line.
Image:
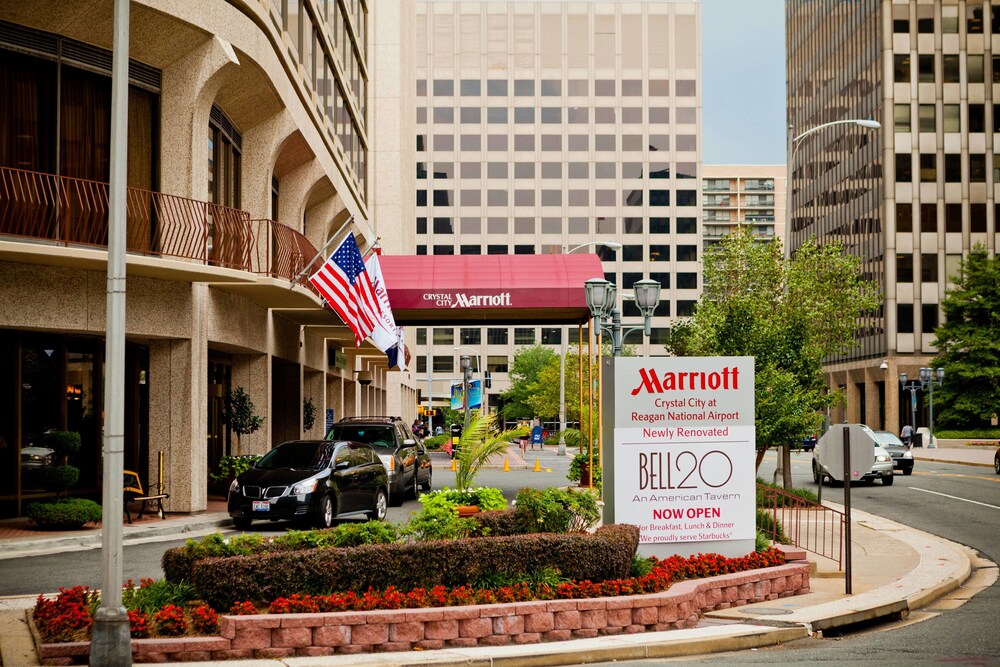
684	444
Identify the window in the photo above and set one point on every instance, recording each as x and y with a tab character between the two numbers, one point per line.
925	19
496	336
953	218
471	198
497	250
904	217
469	336
949	68
443	226
662	278
633	226
470	249
471	142
974	17
659	88
524	198
444	87
687	253
904	168
928	217
471	115
224	154
523	115
685	197
685	308
579	170
687	226
951	118
977	168
904	268
551	88
496	197
928	268
901	117
628	279
496	88
421	364
443	197
926	115
928	168
444	364
900	18
444	250
552	170
471	170
444	142
524	170
632	253
925	64
421	197
421	225
929	317
444	336
422	336
524	336
496	142
496	170
977	118
524	88
685	88
901	68
524	249
659	225
551	336
496	115
496	364
659	253
904	318
470	87
687	281
974	65
660	198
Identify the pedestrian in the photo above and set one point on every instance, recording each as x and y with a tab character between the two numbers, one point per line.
906	435
417	427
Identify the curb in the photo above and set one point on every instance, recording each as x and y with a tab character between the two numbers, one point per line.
964	463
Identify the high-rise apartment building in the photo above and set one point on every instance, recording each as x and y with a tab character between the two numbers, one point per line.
910	199
250	136
545	125
743	195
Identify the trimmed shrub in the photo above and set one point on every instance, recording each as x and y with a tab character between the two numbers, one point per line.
60	478
555	510
64	442
607	554
435	442
496	523
68	513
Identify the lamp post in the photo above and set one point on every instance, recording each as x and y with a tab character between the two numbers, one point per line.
614	245
466	365
601	301
793	145
926	379
478	369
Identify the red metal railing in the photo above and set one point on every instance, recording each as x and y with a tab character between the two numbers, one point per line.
74	212
808	525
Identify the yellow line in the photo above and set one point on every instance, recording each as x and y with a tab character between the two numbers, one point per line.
985	478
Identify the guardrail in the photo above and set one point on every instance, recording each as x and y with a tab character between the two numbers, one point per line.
808	525
74	212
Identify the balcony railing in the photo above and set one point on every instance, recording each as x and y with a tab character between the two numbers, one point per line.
73	212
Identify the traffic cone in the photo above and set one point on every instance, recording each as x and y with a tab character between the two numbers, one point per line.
454	466
538	466
506	466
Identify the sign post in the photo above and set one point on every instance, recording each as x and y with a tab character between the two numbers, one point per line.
682	465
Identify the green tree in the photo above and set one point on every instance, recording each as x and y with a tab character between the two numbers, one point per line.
789	316
528	363
968	346
241	417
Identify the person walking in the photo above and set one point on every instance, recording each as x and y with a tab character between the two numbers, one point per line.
906	435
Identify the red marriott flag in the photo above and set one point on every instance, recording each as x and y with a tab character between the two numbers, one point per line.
347	288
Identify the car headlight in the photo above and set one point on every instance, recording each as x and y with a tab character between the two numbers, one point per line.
907	455
882	459
305	487
234	487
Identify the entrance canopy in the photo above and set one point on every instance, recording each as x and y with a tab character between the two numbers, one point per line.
489	289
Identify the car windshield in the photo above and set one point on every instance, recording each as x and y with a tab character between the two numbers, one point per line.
888	439
296	456
378	436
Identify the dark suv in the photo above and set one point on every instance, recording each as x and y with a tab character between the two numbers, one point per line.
406	461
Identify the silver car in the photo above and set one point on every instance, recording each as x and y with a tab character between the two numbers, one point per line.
881	469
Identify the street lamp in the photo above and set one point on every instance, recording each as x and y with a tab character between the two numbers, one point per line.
478	369
926	379
614	245
793	145
466	366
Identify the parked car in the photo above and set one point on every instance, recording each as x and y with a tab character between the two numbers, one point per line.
34	458
311	481
405	458
902	457
881	468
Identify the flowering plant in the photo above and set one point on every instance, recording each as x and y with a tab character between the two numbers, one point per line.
138	624
205	620
244	608
170	621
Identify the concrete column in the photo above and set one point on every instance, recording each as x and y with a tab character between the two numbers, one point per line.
262	145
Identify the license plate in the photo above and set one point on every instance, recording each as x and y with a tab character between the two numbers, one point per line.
261	506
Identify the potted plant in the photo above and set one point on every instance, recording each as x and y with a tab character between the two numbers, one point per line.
241	417
308	414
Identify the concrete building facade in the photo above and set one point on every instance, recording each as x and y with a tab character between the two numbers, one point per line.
250	146
541	126
910	199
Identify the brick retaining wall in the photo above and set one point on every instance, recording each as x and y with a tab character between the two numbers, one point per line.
284	635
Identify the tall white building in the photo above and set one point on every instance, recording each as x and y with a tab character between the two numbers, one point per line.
541	126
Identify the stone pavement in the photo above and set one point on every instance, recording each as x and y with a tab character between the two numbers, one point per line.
895	571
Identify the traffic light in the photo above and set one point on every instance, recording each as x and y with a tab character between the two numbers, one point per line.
487	380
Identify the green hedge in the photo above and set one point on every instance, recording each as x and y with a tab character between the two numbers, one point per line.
607	554
68	513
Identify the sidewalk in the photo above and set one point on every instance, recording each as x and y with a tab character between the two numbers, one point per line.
895	570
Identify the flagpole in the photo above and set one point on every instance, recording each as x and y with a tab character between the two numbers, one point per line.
322	251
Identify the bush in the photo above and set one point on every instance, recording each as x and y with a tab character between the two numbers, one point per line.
152	595
767	524
170	621
60	478
436	442
556	510
762	542
496	523
805	494
607	554
64	442
231	467
67	513
641	566
344	535
581	460
967	434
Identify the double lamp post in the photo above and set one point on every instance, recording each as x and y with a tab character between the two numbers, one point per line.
925	380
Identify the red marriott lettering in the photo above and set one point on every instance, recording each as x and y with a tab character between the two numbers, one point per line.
727	378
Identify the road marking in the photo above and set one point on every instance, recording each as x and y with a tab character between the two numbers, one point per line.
964	500
986	478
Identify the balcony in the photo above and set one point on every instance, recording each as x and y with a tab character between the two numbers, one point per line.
62	221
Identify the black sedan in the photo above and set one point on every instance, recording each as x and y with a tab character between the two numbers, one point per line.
902	458
311	481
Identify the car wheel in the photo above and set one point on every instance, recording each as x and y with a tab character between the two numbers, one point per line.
416	486
426	486
398	493
887	480
816	474
326	512
242	522
379	509
996	464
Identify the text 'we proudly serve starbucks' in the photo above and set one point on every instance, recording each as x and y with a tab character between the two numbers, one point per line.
684	448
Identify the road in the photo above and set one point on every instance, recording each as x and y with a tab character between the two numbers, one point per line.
37	574
960	503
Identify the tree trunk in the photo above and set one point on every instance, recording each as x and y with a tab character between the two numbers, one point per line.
760	459
786	464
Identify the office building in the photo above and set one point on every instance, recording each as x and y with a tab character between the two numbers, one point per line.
743	195
542	126
909	199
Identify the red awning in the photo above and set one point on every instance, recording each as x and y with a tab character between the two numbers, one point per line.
489	289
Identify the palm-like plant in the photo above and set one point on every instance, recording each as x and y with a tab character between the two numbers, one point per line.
478	443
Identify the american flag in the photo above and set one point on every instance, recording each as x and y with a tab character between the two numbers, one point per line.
347	288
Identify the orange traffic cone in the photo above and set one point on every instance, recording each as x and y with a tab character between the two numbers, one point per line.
454	466
538	466
506	466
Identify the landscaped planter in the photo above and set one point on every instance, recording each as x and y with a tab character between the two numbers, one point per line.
283	635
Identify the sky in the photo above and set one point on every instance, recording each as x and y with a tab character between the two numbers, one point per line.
743	81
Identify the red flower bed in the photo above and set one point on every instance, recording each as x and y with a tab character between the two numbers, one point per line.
68	617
